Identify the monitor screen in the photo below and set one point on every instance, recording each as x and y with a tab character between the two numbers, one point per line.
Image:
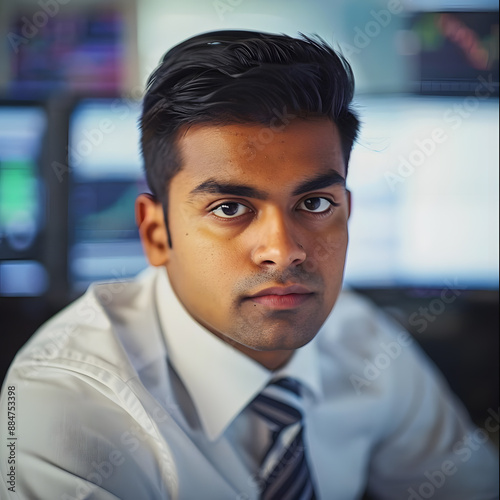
106	176
424	182
22	200
455	52
80	49
423	177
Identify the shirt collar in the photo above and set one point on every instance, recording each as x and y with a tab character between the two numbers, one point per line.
221	380
304	367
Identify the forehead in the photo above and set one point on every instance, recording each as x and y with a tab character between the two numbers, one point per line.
257	154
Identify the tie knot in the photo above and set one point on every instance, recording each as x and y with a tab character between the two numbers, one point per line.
279	403
288	383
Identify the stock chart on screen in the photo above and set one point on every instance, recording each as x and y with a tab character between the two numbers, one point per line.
106	178
22	199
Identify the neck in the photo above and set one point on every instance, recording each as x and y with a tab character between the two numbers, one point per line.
272	360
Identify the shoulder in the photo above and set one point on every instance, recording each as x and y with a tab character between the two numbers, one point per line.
80	392
373	357
95	333
390	396
102	342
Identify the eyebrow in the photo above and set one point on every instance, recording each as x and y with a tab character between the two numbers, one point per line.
213	186
323	180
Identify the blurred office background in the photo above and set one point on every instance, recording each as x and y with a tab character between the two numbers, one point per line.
424	174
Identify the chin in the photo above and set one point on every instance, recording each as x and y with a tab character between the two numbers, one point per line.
285	342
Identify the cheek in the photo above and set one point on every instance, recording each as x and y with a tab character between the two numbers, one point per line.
207	264
326	253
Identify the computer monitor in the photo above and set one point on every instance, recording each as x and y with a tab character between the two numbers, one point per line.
424	182
423	176
454	52
84	48
23	127
105	178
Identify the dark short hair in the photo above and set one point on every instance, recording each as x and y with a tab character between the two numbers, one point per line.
225	77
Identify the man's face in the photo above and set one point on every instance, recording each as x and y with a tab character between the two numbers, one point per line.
258	221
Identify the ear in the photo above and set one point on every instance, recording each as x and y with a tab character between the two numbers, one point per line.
349	203
150	220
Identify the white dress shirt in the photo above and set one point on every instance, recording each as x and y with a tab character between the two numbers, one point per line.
123	395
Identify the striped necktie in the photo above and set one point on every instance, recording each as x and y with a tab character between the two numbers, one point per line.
284	474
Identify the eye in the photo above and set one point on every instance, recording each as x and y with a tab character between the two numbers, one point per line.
230	210
316	205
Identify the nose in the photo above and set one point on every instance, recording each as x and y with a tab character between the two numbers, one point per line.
276	242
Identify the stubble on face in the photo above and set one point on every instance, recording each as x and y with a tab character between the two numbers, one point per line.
260	327
213	266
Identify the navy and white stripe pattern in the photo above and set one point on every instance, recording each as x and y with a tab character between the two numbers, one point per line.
284	473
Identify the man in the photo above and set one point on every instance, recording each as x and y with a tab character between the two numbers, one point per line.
222	372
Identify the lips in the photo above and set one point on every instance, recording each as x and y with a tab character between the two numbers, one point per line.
288	297
282	290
